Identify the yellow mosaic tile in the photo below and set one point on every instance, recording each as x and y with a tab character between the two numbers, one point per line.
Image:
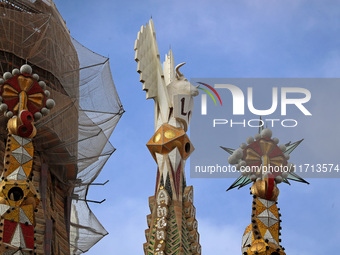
29	211
259	208
14	144
30	149
274	210
274	230
13	215
263	228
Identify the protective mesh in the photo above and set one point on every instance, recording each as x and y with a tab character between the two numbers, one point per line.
99	112
73	138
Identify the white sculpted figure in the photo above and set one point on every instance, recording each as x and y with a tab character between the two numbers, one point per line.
170	147
172	92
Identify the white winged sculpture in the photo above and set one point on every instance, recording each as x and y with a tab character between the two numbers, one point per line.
171	206
169	88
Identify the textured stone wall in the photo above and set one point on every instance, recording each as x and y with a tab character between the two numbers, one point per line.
51	226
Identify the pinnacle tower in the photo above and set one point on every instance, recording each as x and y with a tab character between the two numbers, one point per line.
263	163
172	227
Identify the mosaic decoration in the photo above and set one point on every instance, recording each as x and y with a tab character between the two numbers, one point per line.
23	101
265	164
167	138
172	227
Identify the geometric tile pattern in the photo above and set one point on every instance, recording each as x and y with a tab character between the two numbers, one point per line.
181	232
246	240
17	214
175	158
18	193
18	158
169	170
18	198
24	100
262	235
267	218
170	147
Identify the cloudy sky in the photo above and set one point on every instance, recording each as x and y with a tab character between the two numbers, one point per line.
241	39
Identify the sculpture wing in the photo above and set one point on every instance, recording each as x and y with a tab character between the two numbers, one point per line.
150	69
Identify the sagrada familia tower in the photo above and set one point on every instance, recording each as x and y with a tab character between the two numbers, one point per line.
264	163
53	141
172	224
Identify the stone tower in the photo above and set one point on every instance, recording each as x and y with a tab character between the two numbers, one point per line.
172	227
263	163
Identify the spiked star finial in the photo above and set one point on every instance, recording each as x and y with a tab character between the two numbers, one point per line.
260	157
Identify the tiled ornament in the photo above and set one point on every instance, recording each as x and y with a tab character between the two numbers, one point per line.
17	193
23	99
167	138
18	158
18	235
265	164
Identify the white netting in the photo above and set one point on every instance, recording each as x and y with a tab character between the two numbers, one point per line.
99	112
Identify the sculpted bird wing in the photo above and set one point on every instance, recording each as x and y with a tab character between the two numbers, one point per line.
150	69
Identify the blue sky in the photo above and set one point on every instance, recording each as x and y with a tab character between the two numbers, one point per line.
245	38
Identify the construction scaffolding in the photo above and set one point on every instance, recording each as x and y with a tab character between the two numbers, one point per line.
74	138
